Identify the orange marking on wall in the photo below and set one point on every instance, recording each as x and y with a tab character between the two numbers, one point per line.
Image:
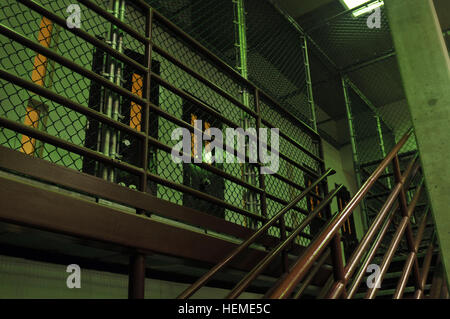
31	119
193	137
136	110
32	116
40	61
318	202
207	143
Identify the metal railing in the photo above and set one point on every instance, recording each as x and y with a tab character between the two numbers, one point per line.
395	211
245	282
362	256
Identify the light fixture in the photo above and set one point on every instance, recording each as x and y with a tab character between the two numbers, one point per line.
371	5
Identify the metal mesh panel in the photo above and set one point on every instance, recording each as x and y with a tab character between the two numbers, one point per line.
365	130
185	53
21	105
373	139
328	98
178	106
70	126
276	58
258	46
289	126
209	22
381	83
87	107
347	39
399	118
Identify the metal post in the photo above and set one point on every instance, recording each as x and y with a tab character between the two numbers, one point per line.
382	147
250	197
262	183
115	138
136	279
112	100
309	84
109	69
365	99
354	149
147	97
337	260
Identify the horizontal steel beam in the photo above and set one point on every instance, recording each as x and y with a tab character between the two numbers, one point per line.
48	210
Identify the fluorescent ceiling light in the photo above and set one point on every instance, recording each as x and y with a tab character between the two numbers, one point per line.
371	5
350	4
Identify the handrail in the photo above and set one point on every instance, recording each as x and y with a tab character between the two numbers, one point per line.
312	274
371	254
371	293
411	259
246	281
410	171
313	252
330	237
206	277
401	229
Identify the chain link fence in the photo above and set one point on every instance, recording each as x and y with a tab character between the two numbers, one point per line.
347	39
275	55
209	22
77	98
276	58
376	113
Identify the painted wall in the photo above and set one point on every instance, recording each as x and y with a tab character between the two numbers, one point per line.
341	160
22	278
397	115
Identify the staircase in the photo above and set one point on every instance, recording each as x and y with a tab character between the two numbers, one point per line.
398	251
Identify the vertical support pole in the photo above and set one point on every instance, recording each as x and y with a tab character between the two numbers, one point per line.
284	255
262	183
147	96
136	278
309	84
241	43
404	209
354	149
114	69
115	137
313	119
382	147
109	95
250	197
338	262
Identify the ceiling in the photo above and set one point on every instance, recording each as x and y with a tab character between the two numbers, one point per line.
348	43
273	49
297	8
309	10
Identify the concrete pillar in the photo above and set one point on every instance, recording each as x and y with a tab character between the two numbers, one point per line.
425	70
